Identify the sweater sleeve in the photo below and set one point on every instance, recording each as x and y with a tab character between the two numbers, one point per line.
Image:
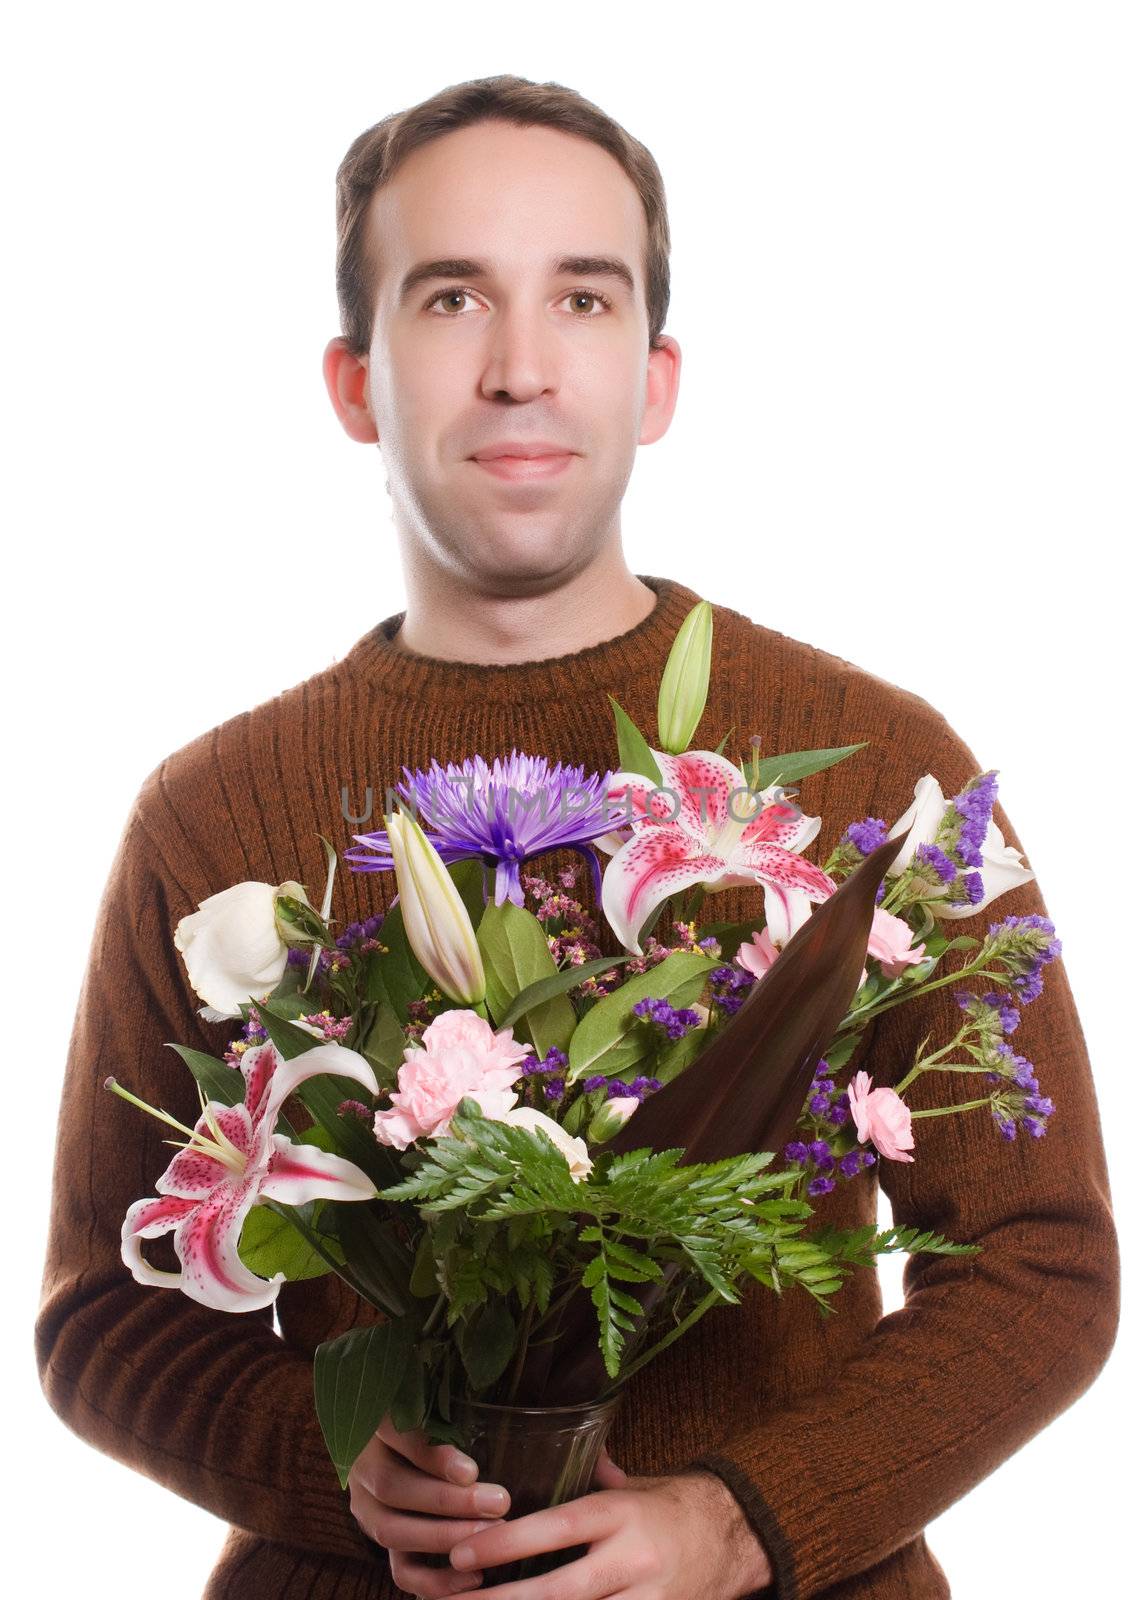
213	1405
987	1348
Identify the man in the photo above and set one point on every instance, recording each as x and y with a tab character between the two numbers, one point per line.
503	284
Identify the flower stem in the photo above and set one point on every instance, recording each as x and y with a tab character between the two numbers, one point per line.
945	1111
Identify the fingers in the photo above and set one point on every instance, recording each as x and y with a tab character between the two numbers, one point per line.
558	1528
441	1460
607	1475
429	1582
387	1477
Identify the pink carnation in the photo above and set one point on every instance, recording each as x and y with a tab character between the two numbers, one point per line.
460	1055
890	943
881	1116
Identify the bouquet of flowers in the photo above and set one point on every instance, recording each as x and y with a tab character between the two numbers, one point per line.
541	1164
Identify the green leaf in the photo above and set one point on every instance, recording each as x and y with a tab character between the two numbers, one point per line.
634	751
486	1343
219	1081
469	876
408	1408
404	977
514	948
559	983
357	1377
611	1038
270	1244
798	764
288	1039
385	1045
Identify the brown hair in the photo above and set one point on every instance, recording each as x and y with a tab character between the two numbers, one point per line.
376	154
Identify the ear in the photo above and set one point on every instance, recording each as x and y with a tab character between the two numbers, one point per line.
345	375
664	363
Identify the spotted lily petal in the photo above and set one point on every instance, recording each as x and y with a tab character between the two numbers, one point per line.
148	1219
298	1173
656	863
206	1243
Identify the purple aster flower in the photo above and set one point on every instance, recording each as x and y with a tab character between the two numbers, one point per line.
504	814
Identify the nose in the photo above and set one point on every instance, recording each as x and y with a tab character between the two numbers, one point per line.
521	358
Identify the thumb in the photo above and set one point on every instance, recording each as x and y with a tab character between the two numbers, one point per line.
607	1475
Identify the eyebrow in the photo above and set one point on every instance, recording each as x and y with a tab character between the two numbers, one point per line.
566	266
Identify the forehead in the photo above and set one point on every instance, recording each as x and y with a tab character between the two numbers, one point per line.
516	197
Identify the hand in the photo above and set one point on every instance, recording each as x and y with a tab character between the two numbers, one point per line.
680	1537
398	1473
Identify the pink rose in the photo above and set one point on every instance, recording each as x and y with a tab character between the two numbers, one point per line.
460	1055
890	943
757	957
881	1116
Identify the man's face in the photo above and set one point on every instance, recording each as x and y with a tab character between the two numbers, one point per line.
519	345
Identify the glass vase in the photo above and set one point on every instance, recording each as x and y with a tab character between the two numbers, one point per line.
543	1455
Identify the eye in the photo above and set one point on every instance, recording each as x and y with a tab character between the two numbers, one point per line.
453	293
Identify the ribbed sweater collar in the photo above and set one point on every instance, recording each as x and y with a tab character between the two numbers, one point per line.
608	665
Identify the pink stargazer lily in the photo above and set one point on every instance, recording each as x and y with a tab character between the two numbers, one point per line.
233	1159
712	829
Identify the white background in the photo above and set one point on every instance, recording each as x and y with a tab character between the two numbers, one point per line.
902	283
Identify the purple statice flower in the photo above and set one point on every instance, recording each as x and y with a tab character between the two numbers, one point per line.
364	934
796	1151
554	1089
929	855
1024	945
866	836
353	1108
821	1156
674	1023
596	1081
821	1185
840	1110
504	815
729	987
534	1066
975	806
1008	1014
637	1089
968	888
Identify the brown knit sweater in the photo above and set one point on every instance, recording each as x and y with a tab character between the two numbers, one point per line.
842	1437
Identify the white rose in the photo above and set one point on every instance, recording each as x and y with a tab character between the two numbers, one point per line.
575	1151
231	946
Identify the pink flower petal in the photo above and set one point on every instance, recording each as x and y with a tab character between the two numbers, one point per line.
193	1174
148	1219
298	1173
779	822
655	864
206	1244
704	782
769	863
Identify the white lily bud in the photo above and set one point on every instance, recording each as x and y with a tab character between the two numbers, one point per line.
686	679
437	923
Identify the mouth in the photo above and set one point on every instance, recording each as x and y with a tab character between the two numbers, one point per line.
526	469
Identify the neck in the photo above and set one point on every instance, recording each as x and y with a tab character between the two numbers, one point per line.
454	618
